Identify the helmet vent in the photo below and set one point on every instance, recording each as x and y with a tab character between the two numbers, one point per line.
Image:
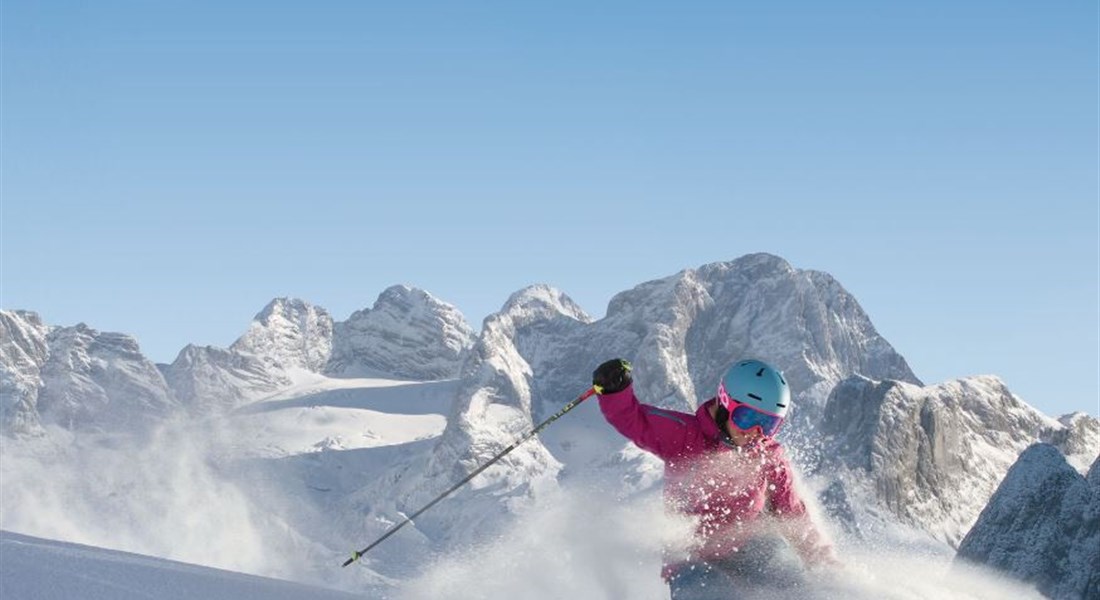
760	373
781	405
755	397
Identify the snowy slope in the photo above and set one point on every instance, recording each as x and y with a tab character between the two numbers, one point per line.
320	413
553	555
50	570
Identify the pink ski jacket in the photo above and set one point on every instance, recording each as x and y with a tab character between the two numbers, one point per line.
727	488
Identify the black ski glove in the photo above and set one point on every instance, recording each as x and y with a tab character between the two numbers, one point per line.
612	376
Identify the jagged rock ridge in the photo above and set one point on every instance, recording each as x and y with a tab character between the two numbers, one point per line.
933	455
408	334
289	334
1043	526
76	377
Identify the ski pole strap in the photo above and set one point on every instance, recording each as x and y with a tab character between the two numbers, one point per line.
568	407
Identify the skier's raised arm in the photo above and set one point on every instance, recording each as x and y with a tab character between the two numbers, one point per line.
665	433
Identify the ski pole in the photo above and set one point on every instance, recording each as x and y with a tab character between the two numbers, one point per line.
529	435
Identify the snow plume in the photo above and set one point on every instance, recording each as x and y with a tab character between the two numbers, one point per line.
579	544
586	544
159	494
895	573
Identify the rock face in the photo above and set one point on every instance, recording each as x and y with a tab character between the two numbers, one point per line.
23	352
494	405
934	455
100	381
289	334
407	334
286	337
76	378
683	331
1043	526
208	379
1078	439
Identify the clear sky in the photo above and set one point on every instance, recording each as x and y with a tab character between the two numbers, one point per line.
169	167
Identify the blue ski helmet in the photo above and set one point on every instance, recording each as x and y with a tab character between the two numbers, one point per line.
757	384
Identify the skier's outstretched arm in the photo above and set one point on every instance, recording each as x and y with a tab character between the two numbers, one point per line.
665	433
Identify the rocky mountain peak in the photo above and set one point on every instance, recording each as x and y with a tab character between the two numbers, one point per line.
407	334
94	380
541	302
289	334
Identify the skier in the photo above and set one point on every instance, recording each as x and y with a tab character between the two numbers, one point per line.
724	468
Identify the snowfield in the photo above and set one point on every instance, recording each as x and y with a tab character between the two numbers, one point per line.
342	414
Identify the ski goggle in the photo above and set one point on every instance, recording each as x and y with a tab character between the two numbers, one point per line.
746	417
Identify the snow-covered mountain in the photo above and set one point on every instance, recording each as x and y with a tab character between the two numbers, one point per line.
287	337
101	380
336	430
210	379
407	334
682	331
23	352
289	334
1043	526
932	456
77	378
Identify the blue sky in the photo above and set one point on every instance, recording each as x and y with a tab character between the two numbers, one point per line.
169	167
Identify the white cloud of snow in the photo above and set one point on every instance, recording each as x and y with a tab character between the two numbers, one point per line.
163	495
586	544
